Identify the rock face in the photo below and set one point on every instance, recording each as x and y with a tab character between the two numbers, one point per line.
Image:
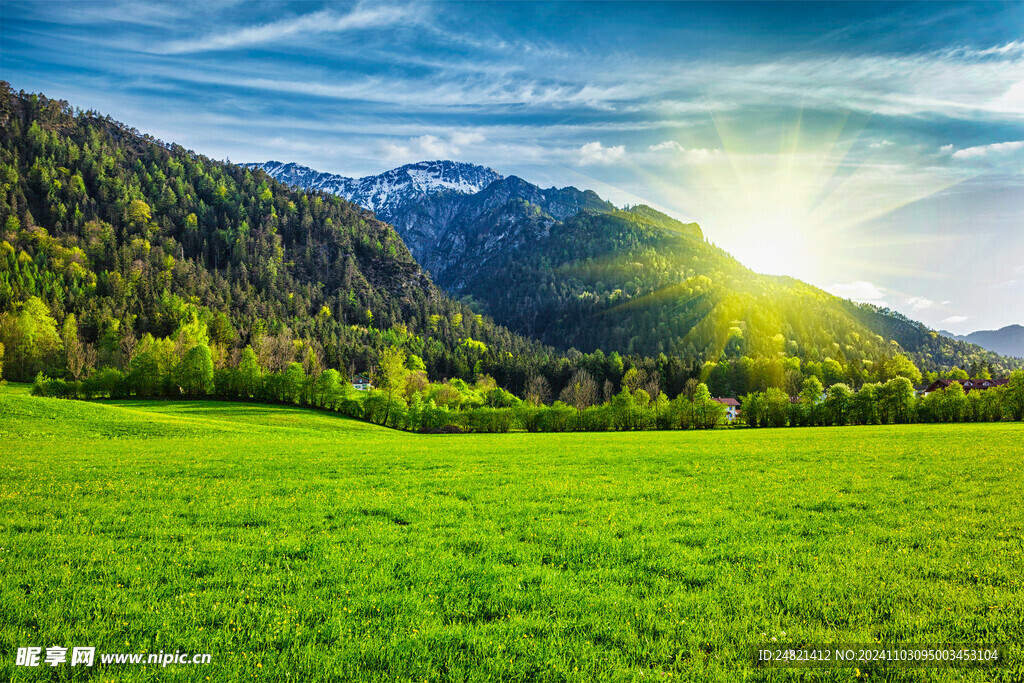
451	213
445	231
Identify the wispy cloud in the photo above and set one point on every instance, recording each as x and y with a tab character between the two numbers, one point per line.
325	21
998	148
955	319
955	83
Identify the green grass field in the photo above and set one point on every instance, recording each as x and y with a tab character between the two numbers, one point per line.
295	545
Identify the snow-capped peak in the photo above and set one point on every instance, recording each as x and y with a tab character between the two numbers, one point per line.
383	193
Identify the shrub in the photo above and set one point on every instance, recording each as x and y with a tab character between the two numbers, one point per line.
488	420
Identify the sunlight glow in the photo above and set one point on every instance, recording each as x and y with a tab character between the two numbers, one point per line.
791	199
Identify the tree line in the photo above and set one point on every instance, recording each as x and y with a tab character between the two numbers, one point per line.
891	402
404	398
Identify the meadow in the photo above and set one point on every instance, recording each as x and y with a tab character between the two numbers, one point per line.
296	545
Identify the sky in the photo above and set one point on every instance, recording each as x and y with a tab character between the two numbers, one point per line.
875	150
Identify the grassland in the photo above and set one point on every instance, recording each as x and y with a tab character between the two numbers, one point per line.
302	546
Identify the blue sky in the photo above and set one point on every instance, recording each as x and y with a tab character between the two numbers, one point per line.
875	150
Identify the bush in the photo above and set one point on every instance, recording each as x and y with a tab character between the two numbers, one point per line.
50	388
351	407
597	418
556	418
487	420
433	418
108	382
528	417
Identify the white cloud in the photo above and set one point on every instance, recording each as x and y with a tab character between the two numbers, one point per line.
955	319
919	303
594	153
667	146
430	147
463	138
675	153
325	21
860	291
988	150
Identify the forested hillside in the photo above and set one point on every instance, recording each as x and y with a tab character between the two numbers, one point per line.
108	235
116	247
566	267
636	281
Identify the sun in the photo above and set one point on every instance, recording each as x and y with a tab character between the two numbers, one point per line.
778	251
788	198
794	198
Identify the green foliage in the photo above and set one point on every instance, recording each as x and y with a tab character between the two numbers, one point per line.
194	374
327	390
107	383
30	339
250	374
706	413
837	404
138	211
293	384
145	377
1015	395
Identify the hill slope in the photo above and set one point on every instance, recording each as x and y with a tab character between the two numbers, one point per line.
136	236
571	269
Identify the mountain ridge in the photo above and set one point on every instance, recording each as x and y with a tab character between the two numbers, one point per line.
1007	341
569	268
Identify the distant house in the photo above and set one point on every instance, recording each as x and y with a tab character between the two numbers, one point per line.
362	383
732	407
967	384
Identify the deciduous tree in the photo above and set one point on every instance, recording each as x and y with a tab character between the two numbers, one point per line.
194	373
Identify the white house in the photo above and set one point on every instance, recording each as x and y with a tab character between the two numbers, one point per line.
362	383
732	407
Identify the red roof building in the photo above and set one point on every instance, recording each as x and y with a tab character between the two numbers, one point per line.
732	407
967	384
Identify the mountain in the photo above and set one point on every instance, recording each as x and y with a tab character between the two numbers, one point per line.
569	268
1007	341
386	193
138	237
449	213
